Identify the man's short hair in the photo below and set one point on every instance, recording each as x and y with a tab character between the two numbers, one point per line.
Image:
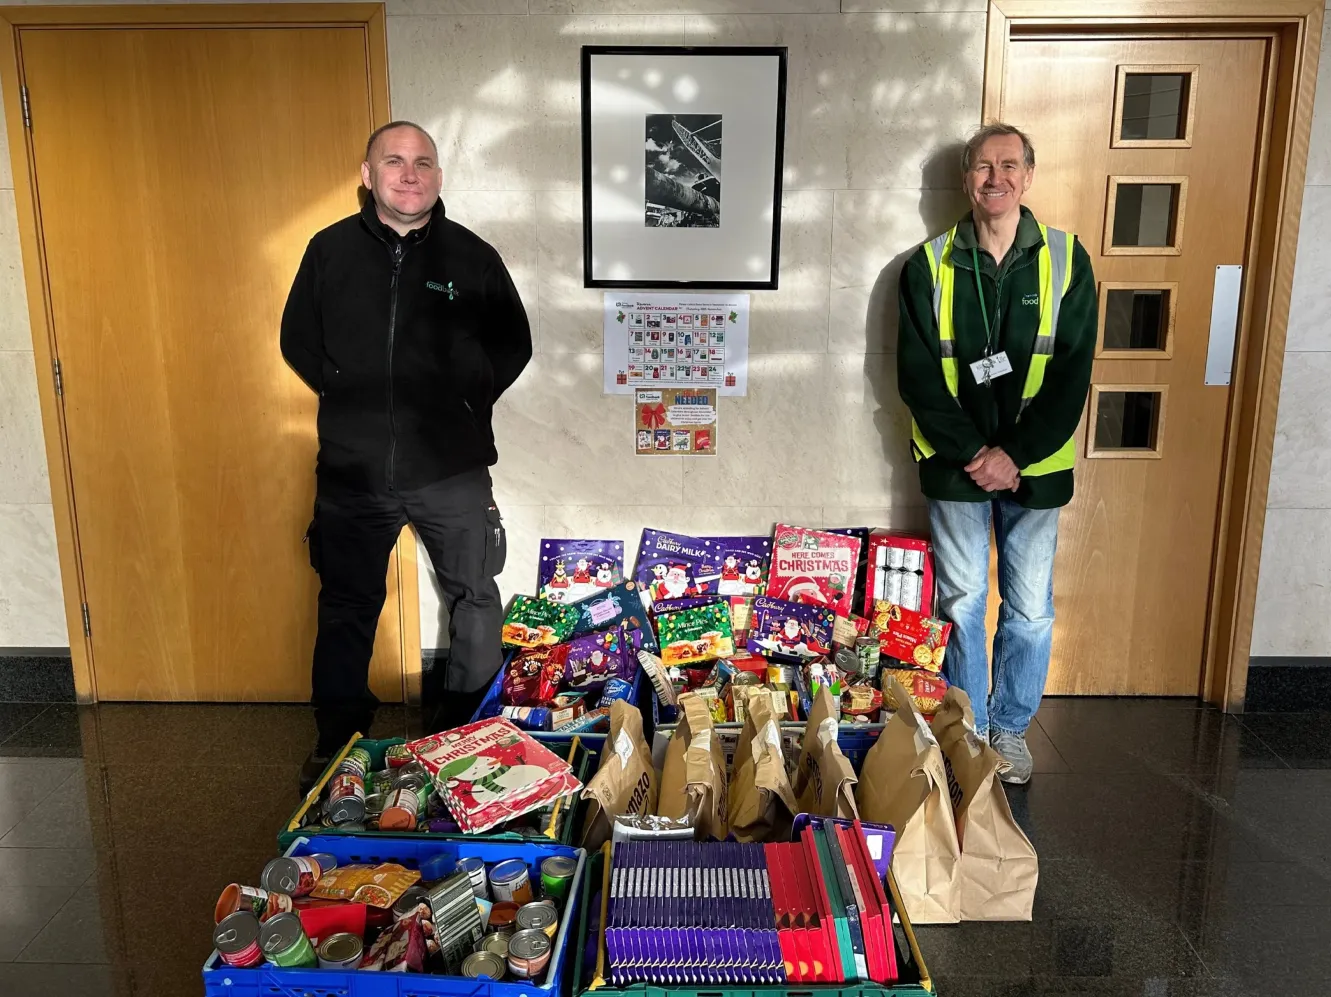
984	134
374	136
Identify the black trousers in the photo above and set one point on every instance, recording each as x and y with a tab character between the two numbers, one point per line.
351	540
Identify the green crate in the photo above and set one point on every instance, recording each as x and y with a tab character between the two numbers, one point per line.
577	752
915	980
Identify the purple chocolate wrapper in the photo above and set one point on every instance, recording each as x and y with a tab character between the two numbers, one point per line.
790	630
742	563
674	566
573	570
595	658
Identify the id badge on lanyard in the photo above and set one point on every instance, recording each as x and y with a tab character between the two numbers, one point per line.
991	365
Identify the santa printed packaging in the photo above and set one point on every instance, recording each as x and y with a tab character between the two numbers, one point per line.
488	772
573	570
790	630
692	636
674	566
813	567
742	563
595	658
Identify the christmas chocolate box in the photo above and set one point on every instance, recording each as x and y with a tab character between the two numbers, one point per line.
742	563
693	636
911	637
813	567
534	622
791	630
488	772
573	570
674	566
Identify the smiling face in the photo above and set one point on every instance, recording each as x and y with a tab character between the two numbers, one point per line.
998	178
403	172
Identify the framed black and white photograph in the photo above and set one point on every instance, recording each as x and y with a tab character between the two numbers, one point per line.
681	166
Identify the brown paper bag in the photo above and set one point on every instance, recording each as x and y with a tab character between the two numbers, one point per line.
625	782
999	867
824	778
761	801
693	779
903	782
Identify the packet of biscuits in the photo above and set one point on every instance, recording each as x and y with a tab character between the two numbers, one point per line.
911	637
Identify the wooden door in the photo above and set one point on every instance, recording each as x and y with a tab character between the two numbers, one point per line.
1148	150
179	173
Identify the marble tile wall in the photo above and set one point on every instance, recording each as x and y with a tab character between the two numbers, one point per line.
880	92
876	102
1294	585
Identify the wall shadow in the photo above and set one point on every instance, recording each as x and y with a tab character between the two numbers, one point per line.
941	203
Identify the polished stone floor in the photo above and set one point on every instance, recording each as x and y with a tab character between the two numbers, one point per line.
1183	853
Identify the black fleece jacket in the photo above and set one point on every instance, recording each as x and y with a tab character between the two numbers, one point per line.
408	341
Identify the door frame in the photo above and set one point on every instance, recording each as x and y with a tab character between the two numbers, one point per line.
370	17
1269	267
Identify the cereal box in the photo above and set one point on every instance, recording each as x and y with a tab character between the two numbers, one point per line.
813	567
488	772
911	637
693	636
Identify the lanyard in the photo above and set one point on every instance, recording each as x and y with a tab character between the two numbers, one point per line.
989	330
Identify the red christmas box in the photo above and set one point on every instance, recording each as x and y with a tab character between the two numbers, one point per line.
900	571
813	567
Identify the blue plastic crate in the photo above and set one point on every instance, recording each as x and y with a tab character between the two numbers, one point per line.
492	704
221	980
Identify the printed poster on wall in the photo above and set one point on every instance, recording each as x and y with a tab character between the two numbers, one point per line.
675	421
676	341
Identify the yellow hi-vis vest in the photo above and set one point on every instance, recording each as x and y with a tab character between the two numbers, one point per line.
1055	262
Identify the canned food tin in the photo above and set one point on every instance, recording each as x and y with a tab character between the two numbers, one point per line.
539	915
412	898
341	951
410	778
475	870
503	915
285	943
869	654
896	557
295	877
483	964
346	798
914	560
893	593
910	591
396	756
402	807
374	804
556	875
237	939
528	954
509	881
494	943
357	762
379	783
259	902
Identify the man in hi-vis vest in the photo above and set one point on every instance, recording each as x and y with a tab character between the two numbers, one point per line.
998	327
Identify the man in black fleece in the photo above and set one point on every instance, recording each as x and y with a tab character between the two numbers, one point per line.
408	327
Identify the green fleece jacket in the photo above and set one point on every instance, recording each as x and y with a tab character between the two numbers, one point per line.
986	415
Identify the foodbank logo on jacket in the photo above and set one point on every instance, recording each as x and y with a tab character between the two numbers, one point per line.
448	288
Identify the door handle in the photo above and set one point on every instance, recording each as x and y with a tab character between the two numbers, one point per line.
1224	324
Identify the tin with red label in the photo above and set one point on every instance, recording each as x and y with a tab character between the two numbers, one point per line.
237	939
402	808
261	903
346	798
295	876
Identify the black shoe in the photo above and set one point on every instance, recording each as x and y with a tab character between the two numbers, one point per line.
310	771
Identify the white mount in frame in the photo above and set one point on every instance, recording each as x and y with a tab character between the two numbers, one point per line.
681	166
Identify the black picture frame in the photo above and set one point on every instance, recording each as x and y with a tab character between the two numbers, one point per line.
665	281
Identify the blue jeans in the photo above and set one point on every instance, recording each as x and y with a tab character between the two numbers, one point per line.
1027	539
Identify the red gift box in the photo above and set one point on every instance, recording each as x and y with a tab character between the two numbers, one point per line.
875	578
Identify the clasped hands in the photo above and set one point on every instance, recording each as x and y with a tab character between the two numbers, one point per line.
993	470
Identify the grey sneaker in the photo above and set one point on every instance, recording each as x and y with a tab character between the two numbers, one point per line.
1014	751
